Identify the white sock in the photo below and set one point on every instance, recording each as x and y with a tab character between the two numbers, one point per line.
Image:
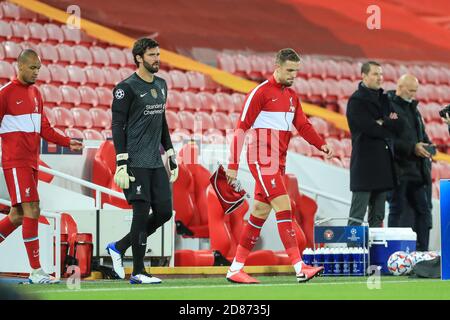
235	266
298	266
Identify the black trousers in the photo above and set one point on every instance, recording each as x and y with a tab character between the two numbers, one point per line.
374	201
409	207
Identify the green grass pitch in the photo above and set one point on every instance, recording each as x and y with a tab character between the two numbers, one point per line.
271	288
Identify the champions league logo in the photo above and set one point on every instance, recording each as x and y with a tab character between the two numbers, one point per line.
353	237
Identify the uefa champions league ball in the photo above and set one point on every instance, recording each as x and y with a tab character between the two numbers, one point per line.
399	263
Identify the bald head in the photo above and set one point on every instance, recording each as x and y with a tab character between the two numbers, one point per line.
407	87
29	64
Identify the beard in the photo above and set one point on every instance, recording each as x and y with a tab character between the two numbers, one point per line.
151	68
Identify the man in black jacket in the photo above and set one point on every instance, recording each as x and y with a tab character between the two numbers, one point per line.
372	125
408	203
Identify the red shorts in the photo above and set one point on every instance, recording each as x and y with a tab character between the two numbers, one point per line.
269	184
22	184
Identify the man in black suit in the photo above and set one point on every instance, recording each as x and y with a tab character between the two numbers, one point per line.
372	125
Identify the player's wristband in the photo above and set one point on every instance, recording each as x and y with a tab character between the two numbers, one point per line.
122	159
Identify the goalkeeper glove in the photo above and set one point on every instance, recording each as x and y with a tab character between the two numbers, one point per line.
121	177
173	167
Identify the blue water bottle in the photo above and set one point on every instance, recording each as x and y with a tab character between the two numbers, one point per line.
338	259
308	256
328	261
346	266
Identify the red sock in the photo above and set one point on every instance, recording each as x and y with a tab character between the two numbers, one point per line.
287	235
249	237
6	228
31	240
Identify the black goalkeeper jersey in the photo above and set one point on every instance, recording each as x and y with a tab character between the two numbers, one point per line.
139	124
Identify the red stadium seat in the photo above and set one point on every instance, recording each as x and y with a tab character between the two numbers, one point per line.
7	72
100	56
66	54
31	45
213	136
389	72
203	121
222	121
49	54
74	133
88	96
318	69
44	75
107	134
347	146
76	75
347	71
48	112
58	74
258	69
234	118
338	148
12	50
82	118
51	95
346	87
242	63
82	55
196	80
165	75
187	120
71	36
91	134
179	80
94	76
105	97
20	31
112	76
302	88
71	96
6	32
63	118
10	11
129	58
332	69
333	91
318	91
173	122
225	102
418	72
180	135
191	101
208	102
125	72
300	145
226	62
101	119
239	100
175	101
54	32
116	57
37	32
444	76
432	75
435	190
320	125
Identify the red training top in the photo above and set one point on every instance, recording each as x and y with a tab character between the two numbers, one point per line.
271	110
22	125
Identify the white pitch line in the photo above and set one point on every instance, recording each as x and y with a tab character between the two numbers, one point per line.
156	287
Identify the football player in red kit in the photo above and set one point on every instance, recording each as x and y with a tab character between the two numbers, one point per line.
23	123
271	110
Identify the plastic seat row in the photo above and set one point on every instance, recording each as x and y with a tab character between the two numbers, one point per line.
94	118
65	54
205	101
256	66
38	32
11	12
69	96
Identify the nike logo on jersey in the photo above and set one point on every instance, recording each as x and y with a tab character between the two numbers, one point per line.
273	100
19	102
142	95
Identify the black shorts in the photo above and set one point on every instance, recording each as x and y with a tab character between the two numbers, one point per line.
151	185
